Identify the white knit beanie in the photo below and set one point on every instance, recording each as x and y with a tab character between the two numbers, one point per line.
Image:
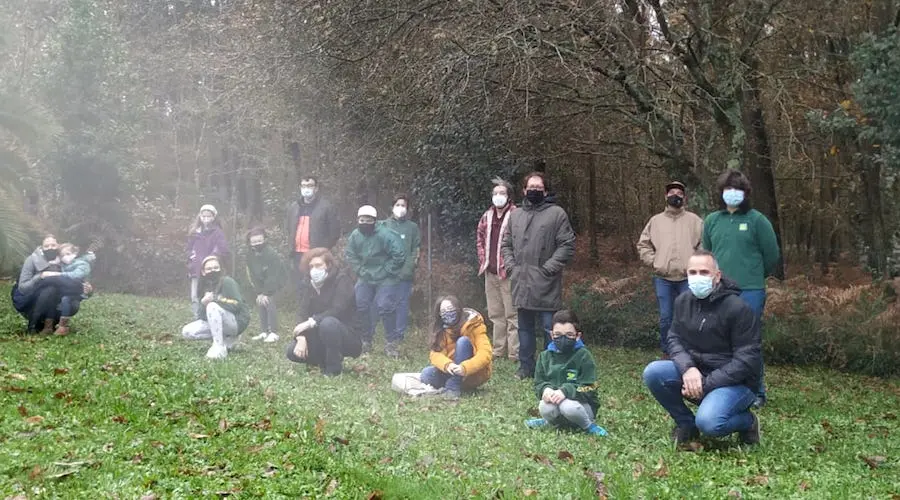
210	208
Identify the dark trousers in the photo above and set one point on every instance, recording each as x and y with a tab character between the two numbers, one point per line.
327	345
527	338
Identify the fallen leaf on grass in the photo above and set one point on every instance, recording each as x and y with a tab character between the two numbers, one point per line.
612	455
17	497
760	480
157	444
661	469
533	412
694	446
565	455
269	393
60	371
137	459
35	472
638	470
36	419
22	410
223	425
119	419
263	425
734	494
340	440
804	485
271	470
873	462
149	496
332	486
18	376
530	492
541	459
194	435
386	460
375	495
12	388
599	484
826	426
63	474
319	430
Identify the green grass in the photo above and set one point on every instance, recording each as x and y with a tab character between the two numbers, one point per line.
125	408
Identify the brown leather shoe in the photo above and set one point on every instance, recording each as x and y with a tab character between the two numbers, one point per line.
63	328
48	327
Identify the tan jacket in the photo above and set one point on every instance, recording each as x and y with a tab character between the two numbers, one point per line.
668	240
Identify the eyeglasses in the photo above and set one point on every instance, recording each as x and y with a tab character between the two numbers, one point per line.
556	335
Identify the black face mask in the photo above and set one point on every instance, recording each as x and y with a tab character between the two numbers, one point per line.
535	196
212	276
367	229
50	253
257	248
675	201
565	344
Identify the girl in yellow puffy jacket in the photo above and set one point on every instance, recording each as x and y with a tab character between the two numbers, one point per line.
460	349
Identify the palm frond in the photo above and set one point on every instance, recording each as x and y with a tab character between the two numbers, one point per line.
15	228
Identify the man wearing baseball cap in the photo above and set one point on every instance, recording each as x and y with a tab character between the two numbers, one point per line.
667	242
376	254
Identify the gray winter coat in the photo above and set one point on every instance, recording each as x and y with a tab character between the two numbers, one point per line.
538	245
34	265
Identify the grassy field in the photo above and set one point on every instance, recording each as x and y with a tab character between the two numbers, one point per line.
126	409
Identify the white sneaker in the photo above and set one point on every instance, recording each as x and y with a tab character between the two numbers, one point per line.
261	336
217	351
272	337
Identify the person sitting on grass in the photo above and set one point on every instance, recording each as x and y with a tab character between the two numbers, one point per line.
75	270
565	379
715	360
223	315
461	352
266	272
328	302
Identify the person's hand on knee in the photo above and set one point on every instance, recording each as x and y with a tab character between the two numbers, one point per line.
301	349
207	298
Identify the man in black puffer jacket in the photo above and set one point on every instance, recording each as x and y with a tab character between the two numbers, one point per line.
715	359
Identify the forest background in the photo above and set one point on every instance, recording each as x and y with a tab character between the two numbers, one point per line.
118	119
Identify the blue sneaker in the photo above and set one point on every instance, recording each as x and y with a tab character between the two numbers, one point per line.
535	423
596	430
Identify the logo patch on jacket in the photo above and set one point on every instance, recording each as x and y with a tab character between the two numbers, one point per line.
742	226
571	375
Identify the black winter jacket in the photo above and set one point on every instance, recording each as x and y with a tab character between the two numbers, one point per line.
336	298
324	226
719	335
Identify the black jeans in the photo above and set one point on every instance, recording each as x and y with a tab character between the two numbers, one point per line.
327	344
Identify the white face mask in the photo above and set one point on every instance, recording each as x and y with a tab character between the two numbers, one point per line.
499	200
307	192
317	275
206	219
68	258
399	212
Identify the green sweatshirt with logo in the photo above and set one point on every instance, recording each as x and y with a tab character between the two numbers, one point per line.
744	245
575	374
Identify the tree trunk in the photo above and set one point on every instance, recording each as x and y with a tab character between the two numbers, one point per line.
593	165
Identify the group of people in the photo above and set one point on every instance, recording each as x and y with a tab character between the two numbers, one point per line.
709	278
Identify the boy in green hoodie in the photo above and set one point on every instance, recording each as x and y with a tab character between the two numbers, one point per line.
266	273
565	379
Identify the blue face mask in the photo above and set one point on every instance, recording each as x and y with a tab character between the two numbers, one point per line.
733	197
701	286
449	317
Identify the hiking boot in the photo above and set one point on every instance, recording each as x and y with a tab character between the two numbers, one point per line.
596	430
63	328
271	337
451	395
48	327
751	435
391	350
261	336
682	435
535	423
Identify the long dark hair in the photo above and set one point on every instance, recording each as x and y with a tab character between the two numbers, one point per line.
438	329
735	180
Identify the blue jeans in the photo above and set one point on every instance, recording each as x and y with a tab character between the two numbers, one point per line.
756	299
437	379
721	412
69	305
404	291
373	301
666	291
527	340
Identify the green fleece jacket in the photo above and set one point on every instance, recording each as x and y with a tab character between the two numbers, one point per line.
409	236
228	296
376	259
575	374
744	245
266	271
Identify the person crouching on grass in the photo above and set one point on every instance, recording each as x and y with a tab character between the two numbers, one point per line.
460	349
223	315
565	379
266	272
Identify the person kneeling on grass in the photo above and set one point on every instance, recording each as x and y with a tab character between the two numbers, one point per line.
328	302
715	360
223	313
565	379
460	349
